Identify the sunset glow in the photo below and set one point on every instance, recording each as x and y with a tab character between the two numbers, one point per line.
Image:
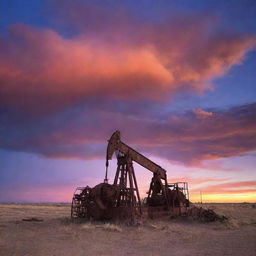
178	82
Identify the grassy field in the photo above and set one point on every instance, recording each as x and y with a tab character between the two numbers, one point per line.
56	235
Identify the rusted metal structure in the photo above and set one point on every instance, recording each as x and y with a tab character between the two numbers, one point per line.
121	200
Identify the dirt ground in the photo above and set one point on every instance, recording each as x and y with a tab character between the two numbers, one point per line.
56	235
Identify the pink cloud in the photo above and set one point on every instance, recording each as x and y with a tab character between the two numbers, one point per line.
196	181
40	66
201	114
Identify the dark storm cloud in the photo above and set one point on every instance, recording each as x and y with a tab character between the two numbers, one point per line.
189	138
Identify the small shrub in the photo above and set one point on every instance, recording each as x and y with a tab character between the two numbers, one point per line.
88	226
112	227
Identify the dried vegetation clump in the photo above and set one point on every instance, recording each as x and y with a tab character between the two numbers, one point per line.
237	214
205	214
106	226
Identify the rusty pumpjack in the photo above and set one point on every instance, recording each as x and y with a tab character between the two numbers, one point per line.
121	200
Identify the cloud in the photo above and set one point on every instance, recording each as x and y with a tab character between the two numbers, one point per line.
187	139
43	71
231	187
201	114
196	181
83	133
41	66
64	95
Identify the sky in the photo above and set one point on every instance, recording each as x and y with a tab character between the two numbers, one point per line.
177	78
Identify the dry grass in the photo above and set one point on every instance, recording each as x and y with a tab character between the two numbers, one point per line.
238	214
112	227
107	226
58	235
88	226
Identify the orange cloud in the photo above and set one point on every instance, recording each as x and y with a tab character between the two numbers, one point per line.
243	187
40	66
201	114
226	192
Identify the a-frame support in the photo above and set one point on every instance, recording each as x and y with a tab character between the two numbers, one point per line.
125	178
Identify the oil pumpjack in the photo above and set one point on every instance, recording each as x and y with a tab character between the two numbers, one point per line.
121	200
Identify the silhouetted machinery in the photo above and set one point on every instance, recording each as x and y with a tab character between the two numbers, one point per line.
121	200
